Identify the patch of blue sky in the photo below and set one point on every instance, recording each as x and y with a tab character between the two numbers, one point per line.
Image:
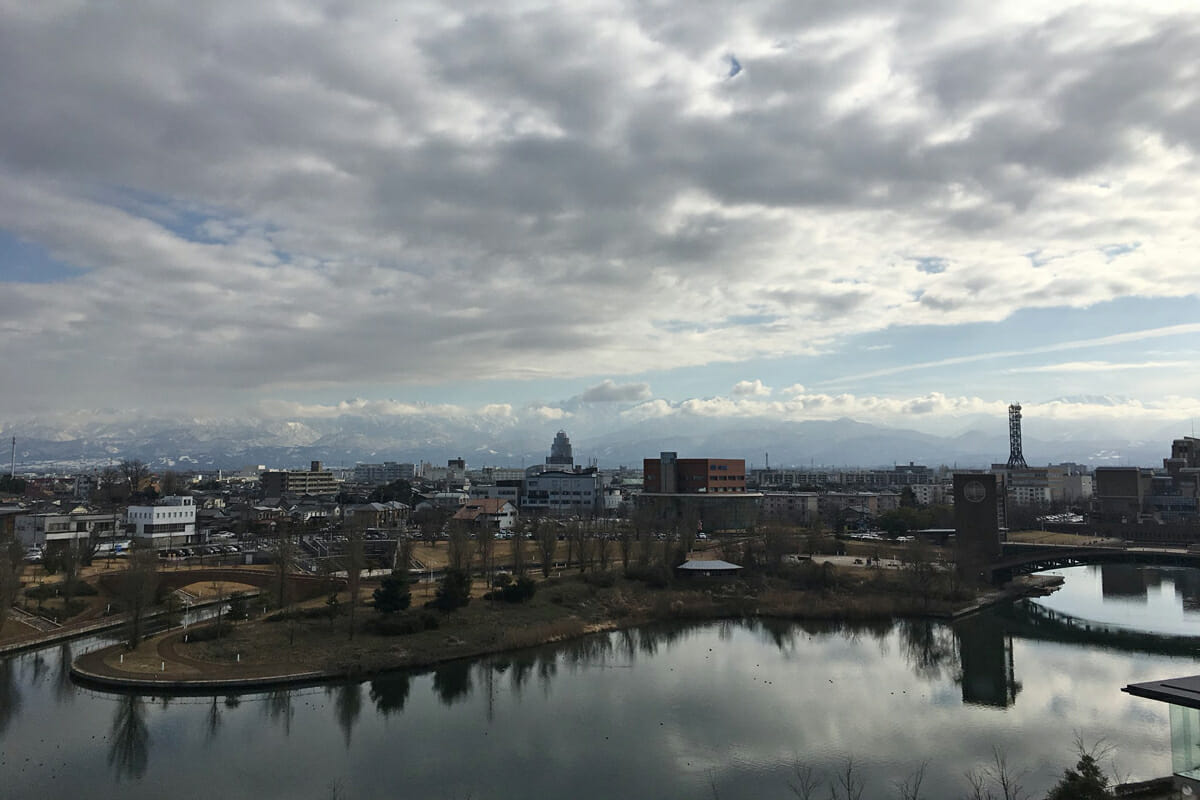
931	265
996	358
1113	251
734	321
984	353
191	221
22	261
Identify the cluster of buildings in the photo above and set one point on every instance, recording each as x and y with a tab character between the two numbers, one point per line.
711	493
1156	496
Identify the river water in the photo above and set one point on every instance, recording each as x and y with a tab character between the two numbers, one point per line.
699	711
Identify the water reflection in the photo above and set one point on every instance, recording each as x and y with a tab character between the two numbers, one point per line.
347	705
389	692
10	694
986	658
278	708
930	648
734	701
64	690
452	681
1125	582
129	739
212	721
1137	597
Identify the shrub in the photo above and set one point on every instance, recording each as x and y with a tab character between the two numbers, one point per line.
238	607
600	579
454	590
656	576
44	591
519	592
207	633
403	624
319	612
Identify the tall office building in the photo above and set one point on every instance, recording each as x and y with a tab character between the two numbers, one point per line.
561	456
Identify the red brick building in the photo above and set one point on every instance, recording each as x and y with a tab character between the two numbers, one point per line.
669	474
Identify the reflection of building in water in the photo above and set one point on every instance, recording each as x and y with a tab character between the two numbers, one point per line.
1187	588
985	652
1123	581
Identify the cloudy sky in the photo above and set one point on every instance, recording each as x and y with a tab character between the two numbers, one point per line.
901	212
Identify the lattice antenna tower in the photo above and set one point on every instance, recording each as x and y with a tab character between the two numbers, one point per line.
1015	459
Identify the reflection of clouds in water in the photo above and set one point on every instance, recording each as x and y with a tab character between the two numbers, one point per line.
1148	598
672	705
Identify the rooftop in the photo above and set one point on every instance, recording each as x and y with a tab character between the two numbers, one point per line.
1176	691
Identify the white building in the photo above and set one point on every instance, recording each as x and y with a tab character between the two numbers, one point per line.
563	493
169	522
43	529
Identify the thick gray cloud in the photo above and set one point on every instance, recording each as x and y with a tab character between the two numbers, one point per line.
269	199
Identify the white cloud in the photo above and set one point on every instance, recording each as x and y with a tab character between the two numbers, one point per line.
384	196
608	391
549	413
1102	366
754	388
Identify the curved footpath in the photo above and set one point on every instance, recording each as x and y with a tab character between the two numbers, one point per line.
181	675
168	668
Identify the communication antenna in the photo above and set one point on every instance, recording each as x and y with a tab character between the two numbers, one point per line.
1015	459
12	469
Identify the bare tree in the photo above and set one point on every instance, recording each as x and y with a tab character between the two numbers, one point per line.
775	544
625	541
603	547
584	540
518	550
910	787
485	544
849	782
283	554
459	546
10	576
997	774
218	589
804	782
572	532
135	473
170	483
353	562
547	543
404	553
138	589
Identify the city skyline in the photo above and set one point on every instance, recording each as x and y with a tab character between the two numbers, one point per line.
601	216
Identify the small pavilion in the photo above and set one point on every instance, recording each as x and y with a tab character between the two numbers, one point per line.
707	569
1183	697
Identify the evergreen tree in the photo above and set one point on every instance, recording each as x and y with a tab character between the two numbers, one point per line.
393	594
454	591
1086	782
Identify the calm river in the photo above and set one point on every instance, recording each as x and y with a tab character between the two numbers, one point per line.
717	709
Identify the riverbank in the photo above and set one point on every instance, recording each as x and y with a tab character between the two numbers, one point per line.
312	645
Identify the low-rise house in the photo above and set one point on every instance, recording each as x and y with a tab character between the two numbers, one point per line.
488	512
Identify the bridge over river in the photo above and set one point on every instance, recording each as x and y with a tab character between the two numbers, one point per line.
1019	558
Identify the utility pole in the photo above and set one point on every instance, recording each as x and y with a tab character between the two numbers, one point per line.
12	469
